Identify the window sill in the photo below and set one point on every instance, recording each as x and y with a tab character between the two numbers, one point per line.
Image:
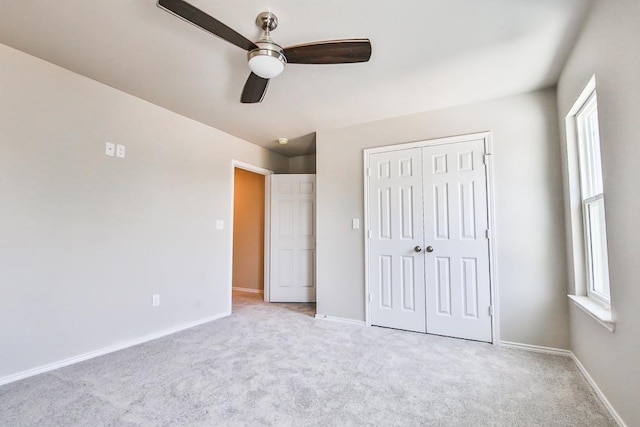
600	313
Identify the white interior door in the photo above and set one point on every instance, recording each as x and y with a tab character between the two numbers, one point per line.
428	245
293	238
457	247
396	226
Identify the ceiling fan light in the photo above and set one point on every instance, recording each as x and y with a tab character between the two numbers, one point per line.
266	62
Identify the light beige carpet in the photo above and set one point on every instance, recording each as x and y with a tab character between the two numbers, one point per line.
274	364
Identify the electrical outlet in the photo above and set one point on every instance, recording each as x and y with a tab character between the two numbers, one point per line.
110	149
156	300
355	223
120	151
219	224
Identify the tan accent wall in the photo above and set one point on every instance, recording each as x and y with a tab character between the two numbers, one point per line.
248	230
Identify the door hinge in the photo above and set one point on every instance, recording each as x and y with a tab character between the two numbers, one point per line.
486	158
368	171
490	310
487	233
368	234
369	297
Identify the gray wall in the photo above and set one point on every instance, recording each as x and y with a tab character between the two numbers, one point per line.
85	239
609	48
302	164
528	203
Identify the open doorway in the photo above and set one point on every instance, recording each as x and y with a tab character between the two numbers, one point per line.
249	225
272	261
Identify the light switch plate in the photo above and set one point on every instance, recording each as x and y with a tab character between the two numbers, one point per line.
120	151
219	224
156	300
355	223
110	149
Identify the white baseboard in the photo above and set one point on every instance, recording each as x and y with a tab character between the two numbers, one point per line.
598	392
581	368
248	290
340	320
106	350
536	348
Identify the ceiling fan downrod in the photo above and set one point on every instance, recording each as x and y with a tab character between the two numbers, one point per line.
267	60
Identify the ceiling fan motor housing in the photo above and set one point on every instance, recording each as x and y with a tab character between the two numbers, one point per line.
267	60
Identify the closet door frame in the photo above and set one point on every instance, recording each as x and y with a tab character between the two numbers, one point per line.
486	137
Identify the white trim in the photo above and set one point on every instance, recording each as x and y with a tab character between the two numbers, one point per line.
493	275
340	320
581	368
367	237
618	419
493	252
267	238
267	221
251	168
575	237
536	348
248	290
583	97
428	143
598	312
106	350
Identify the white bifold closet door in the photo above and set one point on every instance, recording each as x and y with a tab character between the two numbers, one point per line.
429	251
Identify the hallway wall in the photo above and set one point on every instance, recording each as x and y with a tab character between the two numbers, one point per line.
248	230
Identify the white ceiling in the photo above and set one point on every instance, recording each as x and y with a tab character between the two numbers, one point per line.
427	54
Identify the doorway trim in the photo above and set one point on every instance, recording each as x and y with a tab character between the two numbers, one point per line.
236	164
493	276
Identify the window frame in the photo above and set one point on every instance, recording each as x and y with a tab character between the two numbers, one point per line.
592	291
583	211
592	194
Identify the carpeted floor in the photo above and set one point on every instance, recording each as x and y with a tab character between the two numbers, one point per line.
274	364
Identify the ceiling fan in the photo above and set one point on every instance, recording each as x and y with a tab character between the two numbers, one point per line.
267	59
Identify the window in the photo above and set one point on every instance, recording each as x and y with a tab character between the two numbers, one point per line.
592	198
588	234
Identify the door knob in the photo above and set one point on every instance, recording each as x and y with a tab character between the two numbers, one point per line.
429	248
418	249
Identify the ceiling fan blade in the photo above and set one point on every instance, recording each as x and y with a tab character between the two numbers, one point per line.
206	22
330	52
254	89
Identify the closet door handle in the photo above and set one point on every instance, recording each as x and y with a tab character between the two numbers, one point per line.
429	249
418	249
